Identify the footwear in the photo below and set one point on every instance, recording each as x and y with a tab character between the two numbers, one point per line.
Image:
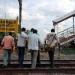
4	66
20	66
51	66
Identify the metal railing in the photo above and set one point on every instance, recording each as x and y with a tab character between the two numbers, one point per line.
67	32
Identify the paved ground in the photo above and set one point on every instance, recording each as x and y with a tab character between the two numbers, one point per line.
43	55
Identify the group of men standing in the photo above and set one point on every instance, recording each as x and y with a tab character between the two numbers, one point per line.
33	43
32	40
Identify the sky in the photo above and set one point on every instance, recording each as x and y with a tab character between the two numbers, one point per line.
38	14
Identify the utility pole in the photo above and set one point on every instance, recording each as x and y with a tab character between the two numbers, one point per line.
73	26
20	13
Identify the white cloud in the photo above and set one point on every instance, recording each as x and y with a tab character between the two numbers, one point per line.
39	13
12	12
65	5
25	15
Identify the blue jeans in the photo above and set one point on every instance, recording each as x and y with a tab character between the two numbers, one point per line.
21	51
6	56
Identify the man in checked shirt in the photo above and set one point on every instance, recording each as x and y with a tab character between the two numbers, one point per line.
50	41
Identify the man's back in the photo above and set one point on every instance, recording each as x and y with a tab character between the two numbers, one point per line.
8	42
21	39
50	38
33	42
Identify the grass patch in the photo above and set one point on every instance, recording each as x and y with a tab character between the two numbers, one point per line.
68	51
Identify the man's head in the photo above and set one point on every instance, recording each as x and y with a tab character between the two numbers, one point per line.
52	30
35	31
10	33
23	29
32	29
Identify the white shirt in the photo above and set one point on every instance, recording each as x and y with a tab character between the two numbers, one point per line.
21	39
33	41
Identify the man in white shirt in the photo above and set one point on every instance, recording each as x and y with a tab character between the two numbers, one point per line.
33	45
21	46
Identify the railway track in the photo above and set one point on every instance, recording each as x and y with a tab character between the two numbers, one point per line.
44	63
61	67
37	71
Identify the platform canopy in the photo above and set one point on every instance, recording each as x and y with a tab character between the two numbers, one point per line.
66	16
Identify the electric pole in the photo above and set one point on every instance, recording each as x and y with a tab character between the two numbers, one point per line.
20	13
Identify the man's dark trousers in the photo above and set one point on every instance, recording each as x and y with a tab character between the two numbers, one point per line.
21	51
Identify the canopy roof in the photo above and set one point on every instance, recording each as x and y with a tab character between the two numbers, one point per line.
66	16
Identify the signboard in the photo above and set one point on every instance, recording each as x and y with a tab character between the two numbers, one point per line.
9	25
